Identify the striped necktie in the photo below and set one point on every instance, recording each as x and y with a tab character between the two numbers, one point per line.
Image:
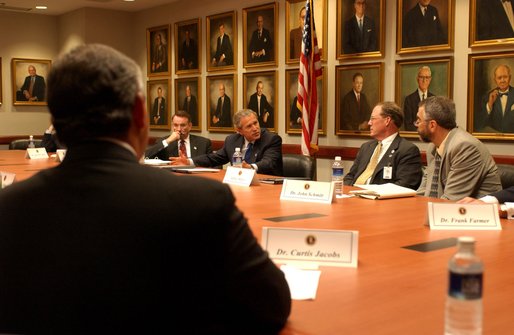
435	179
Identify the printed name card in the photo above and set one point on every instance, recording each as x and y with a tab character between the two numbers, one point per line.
311	247
60	154
446	216
36	153
6	179
240	176
308	191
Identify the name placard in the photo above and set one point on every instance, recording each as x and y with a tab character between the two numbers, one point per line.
6	179
36	153
240	176
60	154
445	216
312	247
308	191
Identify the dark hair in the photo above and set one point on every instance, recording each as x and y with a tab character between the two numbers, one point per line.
91	93
357	74
392	110
182	113
441	110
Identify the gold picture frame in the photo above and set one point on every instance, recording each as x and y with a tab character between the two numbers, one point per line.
260	45
188	98
219	115
267	82
222	52
158	53
1	87
491	27
159	111
188	39
25	90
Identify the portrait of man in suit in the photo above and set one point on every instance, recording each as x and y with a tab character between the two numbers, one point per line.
34	87
494	19
422	25
159	52
355	109
359	33
190	106
295	36
260	48
157	104
188	50
223	55
159	108
258	102
222	115
410	105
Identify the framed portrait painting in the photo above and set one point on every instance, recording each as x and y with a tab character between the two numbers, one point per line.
221	102
260	32
158	51
490	23
1	88
29	80
360	28
358	89
158	100
293	114
491	96
260	95
295	16
425	25
187	98
222	42
419	79
187	51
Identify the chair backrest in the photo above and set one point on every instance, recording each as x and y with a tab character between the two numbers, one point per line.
506	172
295	165
22	144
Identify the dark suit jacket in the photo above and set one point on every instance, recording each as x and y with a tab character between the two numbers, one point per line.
419	30
354	41
224	47
161	109
497	120
134	249
199	145
224	115
402	156
38	90
265	107
353	113
266	153
410	109
492	21
257	44
505	195
192	109
189	54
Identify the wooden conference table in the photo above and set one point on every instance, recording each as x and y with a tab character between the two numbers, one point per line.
394	290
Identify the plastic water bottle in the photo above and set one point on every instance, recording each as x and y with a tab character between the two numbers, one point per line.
237	158
337	175
31	142
464	302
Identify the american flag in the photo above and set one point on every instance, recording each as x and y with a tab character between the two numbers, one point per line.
310	71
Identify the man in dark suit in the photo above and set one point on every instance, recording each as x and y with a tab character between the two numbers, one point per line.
388	158
122	255
493	19
410	105
189	53
296	35
223	115
497	109
224	54
159	108
262	150
190	106
355	109
260	105
359	34
260	48
422	26
180	142
34	87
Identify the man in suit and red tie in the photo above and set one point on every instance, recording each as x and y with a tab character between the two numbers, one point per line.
180	142
359	34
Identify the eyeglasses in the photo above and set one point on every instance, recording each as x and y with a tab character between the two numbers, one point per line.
425	77
418	121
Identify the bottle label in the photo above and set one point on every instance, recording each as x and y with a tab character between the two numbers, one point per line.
337	172
465	286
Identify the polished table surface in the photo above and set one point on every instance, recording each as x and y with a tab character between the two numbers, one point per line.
393	290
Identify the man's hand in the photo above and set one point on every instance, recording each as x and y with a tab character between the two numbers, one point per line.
179	161
469	200
174	136
246	165
492	98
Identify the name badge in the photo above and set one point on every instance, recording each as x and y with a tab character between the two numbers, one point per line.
6	179
311	247
445	216
36	153
388	172
240	176
308	191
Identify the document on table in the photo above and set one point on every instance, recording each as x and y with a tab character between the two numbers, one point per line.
303	284
383	191
156	161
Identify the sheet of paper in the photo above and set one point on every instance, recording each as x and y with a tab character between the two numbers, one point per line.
156	161
303	284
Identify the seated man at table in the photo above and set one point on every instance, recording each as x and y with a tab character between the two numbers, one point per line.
458	165
50	141
505	197
388	158
130	249
180	142
262	150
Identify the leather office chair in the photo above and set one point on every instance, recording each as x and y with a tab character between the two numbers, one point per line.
23	144
299	166
506	172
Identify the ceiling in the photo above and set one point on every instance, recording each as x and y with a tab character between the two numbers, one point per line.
58	7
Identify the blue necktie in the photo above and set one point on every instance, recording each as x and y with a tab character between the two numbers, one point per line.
248	152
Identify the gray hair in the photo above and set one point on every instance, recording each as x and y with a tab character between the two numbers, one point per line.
424	67
241	114
441	110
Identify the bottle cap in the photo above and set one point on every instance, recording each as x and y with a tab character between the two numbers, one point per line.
338	158
238	149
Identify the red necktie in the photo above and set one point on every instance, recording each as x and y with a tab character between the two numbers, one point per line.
182	148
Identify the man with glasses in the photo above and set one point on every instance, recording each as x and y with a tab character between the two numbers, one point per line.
359	34
388	158
410	105
458	165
